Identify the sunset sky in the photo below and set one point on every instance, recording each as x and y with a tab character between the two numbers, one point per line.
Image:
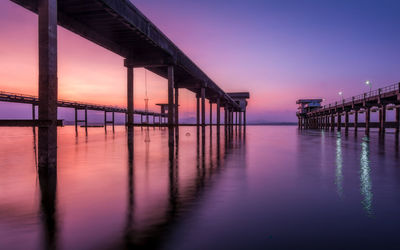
278	50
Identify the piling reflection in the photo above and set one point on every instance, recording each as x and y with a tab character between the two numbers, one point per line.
181	196
131	195
339	166
366	185
48	215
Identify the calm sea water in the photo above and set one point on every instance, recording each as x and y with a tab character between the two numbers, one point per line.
268	187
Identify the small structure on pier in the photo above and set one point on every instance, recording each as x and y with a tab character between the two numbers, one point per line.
241	99
308	105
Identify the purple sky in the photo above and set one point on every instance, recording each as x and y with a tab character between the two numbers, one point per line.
278	50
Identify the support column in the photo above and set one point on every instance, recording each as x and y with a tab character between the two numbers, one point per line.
218	112
33	113
203	106
397	120
232	117
382	119
355	120
244	117
367	119
105	119
339	121
197	110
86	117
176	106
346	121
225	116
48	83
113	120
129	94
171	105
332	122
240	118
76	118
236	118
210	113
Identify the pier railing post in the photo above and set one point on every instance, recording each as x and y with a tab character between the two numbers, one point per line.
48	83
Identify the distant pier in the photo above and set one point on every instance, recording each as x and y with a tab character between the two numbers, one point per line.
312	115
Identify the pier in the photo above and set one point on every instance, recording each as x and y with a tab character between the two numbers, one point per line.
337	115
77	106
121	28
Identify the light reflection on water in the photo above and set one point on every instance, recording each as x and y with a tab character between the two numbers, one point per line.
366	185
339	165
257	188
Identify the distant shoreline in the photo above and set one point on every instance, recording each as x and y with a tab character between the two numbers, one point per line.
188	124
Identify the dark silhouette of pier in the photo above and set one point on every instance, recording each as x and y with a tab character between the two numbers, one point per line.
330	116
120	27
34	101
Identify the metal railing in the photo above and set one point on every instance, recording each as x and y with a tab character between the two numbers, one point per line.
370	94
4	96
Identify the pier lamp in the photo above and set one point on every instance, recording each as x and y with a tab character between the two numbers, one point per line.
368	83
341	94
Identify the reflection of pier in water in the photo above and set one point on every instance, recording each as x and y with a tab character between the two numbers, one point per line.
362	150
182	197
